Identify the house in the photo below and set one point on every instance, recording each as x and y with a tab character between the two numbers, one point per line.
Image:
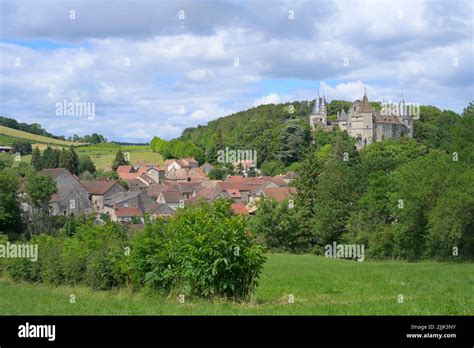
163	210
156	174
6	149
100	190
137	184
135	199
128	215
279	194
173	199
72	197
287	177
180	174
234	195
145	175
189	189
182	163
206	194
243	188
154	191
239	209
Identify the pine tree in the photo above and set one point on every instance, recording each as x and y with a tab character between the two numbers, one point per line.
70	160
36	159
50	158
74	161
119	160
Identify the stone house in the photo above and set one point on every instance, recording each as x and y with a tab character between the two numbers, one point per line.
72	197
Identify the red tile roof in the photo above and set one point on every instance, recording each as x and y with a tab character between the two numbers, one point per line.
279	193
124	169
239	209
233	193
234	186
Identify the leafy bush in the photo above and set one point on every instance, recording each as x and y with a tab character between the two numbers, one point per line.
73	260
49	254
106	258
203	251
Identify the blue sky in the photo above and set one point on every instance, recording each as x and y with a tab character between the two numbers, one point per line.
157	67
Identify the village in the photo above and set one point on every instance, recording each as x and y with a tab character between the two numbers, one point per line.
159	191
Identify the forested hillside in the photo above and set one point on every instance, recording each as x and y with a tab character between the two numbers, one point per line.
266	128
279	133
405	198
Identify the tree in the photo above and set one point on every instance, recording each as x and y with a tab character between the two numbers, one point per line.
418	187
336	193
216	174
22	147
36	160
10	217
86	165
70	160
336	106
39	189
276	223
294	139
272	167
6	161
50	158
119	160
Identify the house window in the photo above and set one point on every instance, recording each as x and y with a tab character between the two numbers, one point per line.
125	205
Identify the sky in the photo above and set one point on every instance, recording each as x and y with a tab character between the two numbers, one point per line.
154	68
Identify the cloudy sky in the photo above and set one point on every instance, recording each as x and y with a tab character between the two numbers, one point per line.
157	67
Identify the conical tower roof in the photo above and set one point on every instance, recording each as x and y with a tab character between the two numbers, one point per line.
364	105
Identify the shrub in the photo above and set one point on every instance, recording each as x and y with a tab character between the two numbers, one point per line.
105	258
73	260
203	251
49	253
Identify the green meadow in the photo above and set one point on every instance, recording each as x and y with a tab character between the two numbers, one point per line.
289	285
103	154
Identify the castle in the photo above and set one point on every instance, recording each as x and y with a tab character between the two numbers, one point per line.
365	123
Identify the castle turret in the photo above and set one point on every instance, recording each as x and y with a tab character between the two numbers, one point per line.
319	112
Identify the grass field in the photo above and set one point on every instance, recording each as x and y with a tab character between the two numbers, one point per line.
9	133
103	154
320	287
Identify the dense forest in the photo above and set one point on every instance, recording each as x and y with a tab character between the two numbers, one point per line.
405	198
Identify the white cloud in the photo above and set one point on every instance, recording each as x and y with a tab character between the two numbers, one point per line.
190	63
272	98
199	75
138	134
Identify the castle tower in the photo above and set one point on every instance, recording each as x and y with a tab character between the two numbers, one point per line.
405	117
361	122
319	112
